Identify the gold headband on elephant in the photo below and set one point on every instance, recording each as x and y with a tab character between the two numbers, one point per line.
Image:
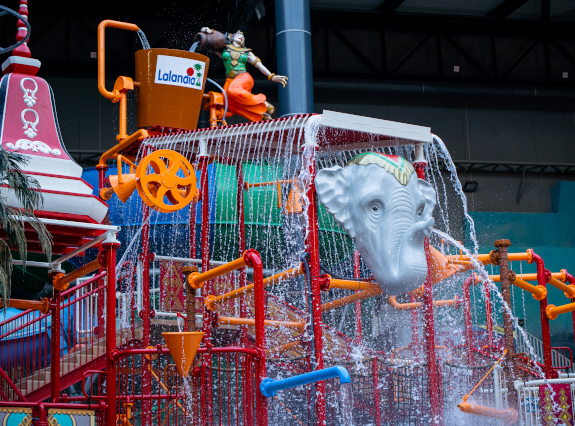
397	166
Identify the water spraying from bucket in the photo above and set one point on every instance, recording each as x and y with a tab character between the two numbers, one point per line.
143	40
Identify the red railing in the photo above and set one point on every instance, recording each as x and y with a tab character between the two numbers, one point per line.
183	401
562	357
25	339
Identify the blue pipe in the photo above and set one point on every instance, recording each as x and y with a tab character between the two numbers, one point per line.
269	387
293	46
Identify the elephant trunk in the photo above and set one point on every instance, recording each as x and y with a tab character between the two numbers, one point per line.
407	261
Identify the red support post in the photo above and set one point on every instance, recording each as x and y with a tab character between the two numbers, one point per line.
542	279
192	224
145	313
467	316
488	316
101	176
356	274
312	247
253	260
429	328
207	413
571	280
241	246
55	348
110	246
205	196
374	372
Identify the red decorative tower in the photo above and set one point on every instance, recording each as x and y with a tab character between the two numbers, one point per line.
21	60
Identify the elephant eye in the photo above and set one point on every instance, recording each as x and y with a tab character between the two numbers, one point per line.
375	208
420	210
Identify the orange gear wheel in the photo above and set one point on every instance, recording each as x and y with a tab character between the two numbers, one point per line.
166	181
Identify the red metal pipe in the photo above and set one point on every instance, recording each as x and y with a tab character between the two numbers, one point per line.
101	176
433	372
254	261
145	313
488	316
116	355
242	246
206	406
110	253
192	224
12	385
356	274
312	247
374	372
55	348
467	316
571	280
542	279
205	197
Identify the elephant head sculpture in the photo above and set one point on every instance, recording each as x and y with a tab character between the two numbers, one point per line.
387	211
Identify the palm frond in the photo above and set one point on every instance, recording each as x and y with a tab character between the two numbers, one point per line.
13	219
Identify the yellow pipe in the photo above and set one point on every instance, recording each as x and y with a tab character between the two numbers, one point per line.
529	277
553	311
114	151
537	291
509	416
36	305
338	303
352	285
486	258
417	305
252	322
61	281
102	53
212	301
568	290
195	280
283	348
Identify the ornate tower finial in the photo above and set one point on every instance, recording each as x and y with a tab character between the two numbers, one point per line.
21	60
22	50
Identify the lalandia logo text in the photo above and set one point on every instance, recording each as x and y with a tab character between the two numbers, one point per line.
177	71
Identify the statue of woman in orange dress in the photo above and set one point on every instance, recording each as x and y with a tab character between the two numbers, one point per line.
239	83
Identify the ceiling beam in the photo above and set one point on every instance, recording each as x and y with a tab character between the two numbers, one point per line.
506	8
389	6
459	25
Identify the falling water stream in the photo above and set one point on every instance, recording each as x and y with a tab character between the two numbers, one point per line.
143	40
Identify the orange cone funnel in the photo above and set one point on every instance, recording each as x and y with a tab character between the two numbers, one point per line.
183	347
124	189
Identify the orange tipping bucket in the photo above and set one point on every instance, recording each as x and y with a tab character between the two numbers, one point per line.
183	347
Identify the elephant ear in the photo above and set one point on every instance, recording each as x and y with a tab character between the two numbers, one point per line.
429	195
332	188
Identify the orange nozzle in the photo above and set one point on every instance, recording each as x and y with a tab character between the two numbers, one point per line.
509	416
183	347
